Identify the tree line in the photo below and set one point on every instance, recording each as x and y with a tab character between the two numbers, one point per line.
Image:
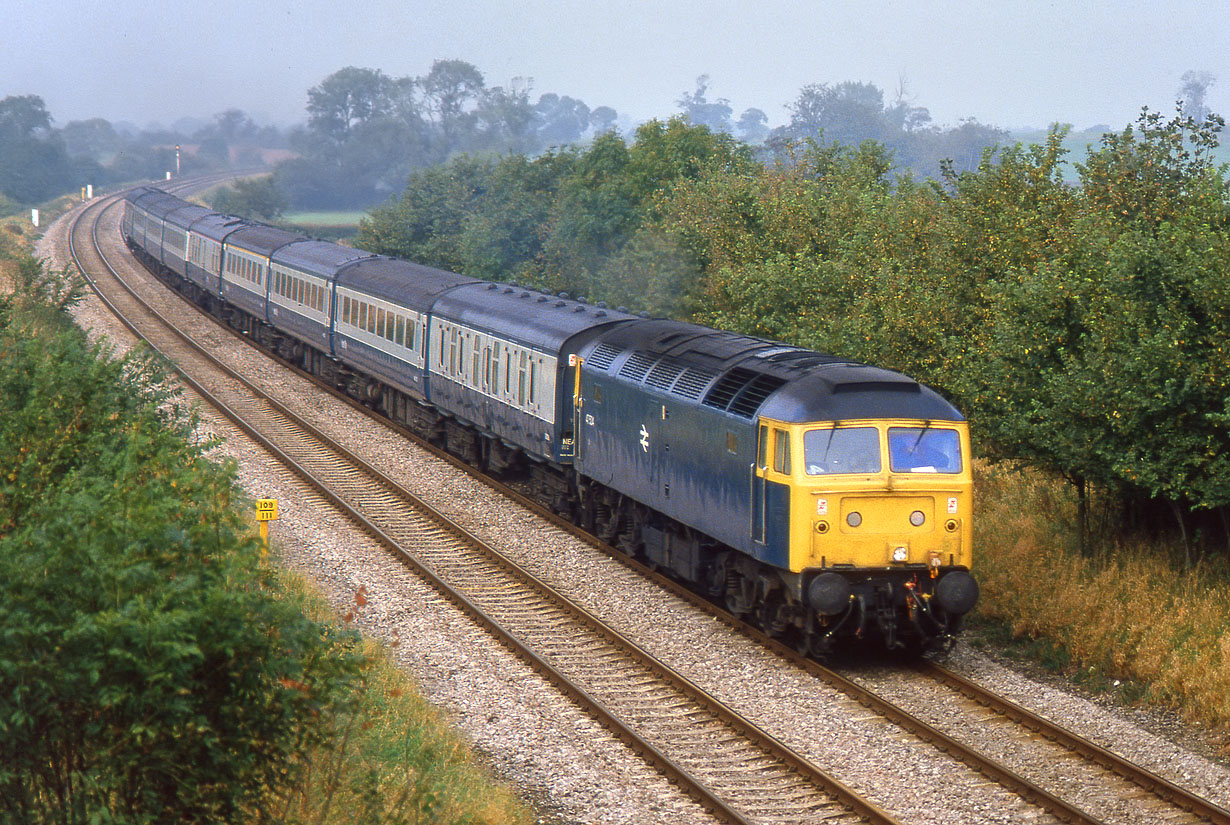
366	132
39	161
1082	326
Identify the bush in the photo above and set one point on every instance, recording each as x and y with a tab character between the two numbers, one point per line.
147	672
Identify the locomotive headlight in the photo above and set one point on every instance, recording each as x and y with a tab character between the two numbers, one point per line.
901	554
854	519
917	518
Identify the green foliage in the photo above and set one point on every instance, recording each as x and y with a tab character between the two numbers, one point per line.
565	221
147	674
260	198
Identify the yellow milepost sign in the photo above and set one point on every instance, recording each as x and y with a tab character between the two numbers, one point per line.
267	509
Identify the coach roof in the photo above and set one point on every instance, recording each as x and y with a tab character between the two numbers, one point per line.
524	315
410	285
318	257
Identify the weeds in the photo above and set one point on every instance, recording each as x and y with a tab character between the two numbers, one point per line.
1124	613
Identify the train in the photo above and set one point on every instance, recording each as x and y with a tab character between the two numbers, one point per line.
826	501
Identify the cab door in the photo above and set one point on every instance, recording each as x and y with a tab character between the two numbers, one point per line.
758	485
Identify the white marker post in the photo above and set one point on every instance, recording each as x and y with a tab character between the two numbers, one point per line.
34	216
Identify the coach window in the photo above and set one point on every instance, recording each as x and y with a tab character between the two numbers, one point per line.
521	382
495	368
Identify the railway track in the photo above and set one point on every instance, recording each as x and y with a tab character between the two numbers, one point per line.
738	771
558	632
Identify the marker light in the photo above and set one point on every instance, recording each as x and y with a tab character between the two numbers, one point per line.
917	518
901	553
854	519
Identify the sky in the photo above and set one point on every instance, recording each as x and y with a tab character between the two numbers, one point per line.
1006	63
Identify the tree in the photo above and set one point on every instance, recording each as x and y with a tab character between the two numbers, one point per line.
451	92
753	126
702	112
1195	86
603	119
94	138
259	198
34	164
346	98
507	118
23	117
848	112
560	120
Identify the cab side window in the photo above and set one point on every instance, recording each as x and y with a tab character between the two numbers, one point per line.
781	451
762	452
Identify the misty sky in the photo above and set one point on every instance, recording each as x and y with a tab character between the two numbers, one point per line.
1005	62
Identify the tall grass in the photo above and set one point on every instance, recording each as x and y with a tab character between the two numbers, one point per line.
1125	612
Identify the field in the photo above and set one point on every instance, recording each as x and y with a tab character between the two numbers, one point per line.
329	225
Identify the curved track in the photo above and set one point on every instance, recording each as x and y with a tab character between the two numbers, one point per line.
631	692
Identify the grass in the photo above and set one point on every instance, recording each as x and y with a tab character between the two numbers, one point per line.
398	759
329	226
338	220
1124	614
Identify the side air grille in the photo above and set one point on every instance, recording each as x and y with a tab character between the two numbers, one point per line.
602	357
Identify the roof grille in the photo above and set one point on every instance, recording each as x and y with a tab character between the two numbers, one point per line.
728	387
693	382
602	357
664	374
636	366
761	387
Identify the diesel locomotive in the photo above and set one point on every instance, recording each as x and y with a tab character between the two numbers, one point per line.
827	501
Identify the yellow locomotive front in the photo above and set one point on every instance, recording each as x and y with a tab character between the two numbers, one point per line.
880	529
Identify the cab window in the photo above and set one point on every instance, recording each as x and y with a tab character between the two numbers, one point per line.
781	451
841	450
923	450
